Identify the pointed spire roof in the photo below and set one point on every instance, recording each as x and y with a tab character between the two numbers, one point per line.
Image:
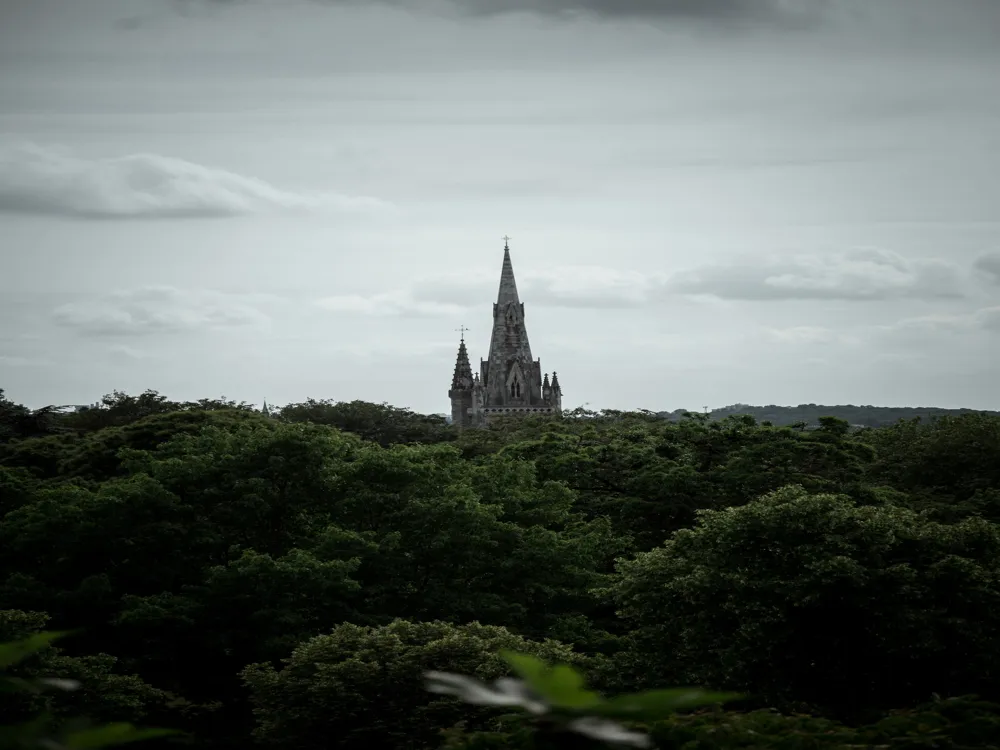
463	370
555	383
508	287
509	339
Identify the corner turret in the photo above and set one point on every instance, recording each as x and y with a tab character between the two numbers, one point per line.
463	385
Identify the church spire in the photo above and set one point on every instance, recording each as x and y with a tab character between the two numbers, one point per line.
510	381
509	339
508	287
463	369
464	389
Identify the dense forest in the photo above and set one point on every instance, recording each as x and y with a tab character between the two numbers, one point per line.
811	414
288	577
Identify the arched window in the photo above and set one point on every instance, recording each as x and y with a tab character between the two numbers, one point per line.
515	387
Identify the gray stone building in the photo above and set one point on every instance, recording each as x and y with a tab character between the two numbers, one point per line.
509	381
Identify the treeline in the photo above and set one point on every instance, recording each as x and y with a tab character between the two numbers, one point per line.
285	578
809	415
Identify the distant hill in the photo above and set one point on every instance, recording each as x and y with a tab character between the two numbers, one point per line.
859	416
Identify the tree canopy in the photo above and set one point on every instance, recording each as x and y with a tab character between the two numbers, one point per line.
285	577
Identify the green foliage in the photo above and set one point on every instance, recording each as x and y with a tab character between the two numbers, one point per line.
96	456
98	691
850	573
950	465
565	713
17	488
812	414
964	723
378	423
18	422
811	599
651	476
951	724
441	550
562	688
14	652
364	685
119	409
757	730
46	729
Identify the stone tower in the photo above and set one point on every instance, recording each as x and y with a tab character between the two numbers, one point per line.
462	387
509	381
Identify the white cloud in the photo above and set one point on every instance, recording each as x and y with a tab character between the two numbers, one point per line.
986	319
388	304
861	274
451	294
806	335
593	286
158	309
121	351
989	266
40	180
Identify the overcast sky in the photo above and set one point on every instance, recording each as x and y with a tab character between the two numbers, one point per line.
710	201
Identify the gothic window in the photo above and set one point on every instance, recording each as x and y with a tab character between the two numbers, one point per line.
515	387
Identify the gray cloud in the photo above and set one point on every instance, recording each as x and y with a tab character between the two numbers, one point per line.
807	336
48	181
989	319
388	304
986	319
593	286
125	352
157	310
963	17
989	266
862	274
569	287
729	11
780	11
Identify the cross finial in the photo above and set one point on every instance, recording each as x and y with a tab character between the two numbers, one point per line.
505	239
462	329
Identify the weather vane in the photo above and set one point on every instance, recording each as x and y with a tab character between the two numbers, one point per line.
462	329
505	239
